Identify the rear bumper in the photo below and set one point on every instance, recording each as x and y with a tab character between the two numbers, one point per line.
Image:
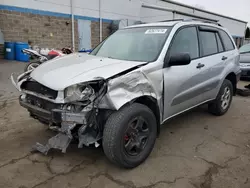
245	73
55	115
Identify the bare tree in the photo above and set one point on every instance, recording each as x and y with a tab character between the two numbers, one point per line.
247	33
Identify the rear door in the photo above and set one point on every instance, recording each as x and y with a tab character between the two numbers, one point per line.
231	54
213	58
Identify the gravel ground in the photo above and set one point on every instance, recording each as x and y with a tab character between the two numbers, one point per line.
194	150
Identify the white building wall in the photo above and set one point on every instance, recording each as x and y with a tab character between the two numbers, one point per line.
152	15
110	9
124	9
173	6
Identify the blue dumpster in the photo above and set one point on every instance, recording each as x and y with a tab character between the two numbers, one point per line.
85	51
9	50
20	56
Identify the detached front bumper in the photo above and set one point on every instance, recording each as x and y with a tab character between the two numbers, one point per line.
55	115
65	122
38	112
73	120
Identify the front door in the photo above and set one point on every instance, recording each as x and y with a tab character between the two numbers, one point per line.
183	84
84	33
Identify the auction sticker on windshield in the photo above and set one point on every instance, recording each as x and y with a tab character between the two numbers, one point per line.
156	31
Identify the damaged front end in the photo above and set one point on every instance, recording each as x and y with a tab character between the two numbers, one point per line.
73	112
80	111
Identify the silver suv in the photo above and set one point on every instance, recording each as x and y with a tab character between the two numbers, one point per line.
130	84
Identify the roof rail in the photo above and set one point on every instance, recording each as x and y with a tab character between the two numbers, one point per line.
172	20
194	19
204	21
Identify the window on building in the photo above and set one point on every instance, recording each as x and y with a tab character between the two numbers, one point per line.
228	43
186	41
208	43
220	46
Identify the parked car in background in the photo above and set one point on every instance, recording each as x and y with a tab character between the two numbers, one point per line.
130	84
245	60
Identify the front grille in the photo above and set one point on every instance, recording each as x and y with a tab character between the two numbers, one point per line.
41	103
39	88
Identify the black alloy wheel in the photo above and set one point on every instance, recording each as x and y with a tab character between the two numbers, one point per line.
129	135
136	136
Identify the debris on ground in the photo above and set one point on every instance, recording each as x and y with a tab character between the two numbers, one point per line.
244	92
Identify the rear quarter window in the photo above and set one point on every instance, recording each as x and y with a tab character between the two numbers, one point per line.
228	43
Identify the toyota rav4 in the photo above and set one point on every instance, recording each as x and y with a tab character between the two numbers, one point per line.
130	84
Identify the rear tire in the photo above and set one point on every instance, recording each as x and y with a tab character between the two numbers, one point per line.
118	135
223	100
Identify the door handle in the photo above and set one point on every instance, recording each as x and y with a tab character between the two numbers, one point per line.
224	58
200	65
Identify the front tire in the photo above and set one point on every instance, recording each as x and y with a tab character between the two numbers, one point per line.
31	66
223	100
129	135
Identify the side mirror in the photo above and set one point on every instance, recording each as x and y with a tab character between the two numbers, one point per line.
177	60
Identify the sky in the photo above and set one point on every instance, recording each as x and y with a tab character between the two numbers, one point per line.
239	9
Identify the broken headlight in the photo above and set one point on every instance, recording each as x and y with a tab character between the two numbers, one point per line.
78	92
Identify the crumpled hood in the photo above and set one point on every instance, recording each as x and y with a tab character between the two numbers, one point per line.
71	69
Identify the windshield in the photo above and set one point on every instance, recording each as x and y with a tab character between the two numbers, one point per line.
245	49
134	44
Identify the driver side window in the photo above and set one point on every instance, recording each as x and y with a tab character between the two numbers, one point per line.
186	41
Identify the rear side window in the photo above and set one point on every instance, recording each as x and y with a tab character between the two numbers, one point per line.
208	43
228	43
220	46
186	41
